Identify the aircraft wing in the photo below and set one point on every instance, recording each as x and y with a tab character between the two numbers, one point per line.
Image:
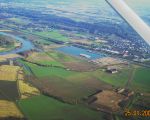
132	18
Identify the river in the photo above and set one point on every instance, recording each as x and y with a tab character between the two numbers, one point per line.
26	44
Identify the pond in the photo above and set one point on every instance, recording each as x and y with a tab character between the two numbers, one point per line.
79	51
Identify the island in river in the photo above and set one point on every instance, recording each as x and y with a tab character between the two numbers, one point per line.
7	43
10	44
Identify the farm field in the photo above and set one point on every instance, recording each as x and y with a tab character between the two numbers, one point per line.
141	80
68	91
58	56
9	109
112	79
9	93
71	85
68	85
60	60
8	73
43	59
118	79
40	71
27	90
8	82
54	81
55	59
44	108
107	98
53	35
8	90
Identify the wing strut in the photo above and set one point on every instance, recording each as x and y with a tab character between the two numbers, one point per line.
132	18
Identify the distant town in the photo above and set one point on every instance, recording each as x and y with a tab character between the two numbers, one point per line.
102	36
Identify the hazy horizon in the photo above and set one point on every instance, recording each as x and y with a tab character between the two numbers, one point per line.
80	10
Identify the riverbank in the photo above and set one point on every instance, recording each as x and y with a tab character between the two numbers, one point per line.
20	46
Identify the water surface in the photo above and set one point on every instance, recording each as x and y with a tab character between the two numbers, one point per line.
26	44
77	51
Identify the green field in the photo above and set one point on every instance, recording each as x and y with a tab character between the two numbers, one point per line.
61	57
141	80
53	63
57	58
44	59
70	85
53	35
45	108
42	42
49	71
118	79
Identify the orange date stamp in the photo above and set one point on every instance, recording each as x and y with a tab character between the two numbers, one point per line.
141	113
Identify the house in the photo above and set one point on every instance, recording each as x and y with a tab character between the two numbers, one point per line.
112	70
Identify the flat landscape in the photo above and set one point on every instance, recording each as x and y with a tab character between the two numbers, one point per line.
47	108
59	61
141	79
